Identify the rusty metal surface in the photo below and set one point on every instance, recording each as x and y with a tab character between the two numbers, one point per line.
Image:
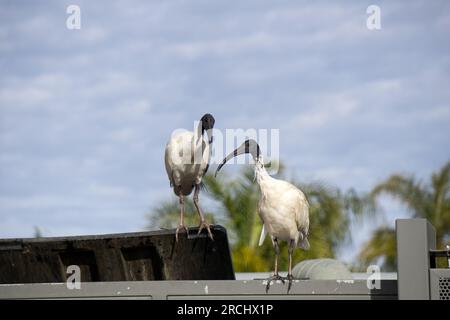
141	256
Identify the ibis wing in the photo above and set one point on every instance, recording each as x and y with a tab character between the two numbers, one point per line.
302	220
167	163
263	235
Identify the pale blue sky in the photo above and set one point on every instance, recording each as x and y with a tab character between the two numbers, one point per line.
85	114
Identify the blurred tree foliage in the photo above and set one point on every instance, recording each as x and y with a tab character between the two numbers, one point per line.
37	232
331	212
430	201
167	215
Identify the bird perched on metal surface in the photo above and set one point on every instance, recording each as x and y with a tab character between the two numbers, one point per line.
283	209
187	157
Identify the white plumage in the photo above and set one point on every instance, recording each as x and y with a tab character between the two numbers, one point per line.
186	159
179	160
282	207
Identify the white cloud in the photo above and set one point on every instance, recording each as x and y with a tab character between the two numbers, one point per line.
325	110
108	191
132	110
38	201
25	94
223	46
94	35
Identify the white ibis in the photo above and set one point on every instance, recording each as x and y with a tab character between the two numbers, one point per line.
283	209
187	158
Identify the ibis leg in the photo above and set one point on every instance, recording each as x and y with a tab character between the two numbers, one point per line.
181	225
203	223
290	277
275	276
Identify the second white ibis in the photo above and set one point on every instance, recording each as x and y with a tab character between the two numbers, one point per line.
283	209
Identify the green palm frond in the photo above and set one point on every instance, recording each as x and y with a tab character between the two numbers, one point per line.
404	188
441	185
424	201
381	246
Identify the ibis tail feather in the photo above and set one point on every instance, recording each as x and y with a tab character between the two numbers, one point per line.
262	236
304	244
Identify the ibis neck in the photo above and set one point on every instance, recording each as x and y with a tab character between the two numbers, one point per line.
198	135
201	150
262	178
260	171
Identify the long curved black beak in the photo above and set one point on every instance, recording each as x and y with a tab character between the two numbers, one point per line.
249	146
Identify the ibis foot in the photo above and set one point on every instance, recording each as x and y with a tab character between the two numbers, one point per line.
207	226
275	277
289	278
181	226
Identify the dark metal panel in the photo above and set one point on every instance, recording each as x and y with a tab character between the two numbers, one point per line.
138	256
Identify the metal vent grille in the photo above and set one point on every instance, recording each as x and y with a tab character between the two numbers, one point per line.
444	288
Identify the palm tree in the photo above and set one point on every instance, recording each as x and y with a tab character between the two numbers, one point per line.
430	201
380	249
